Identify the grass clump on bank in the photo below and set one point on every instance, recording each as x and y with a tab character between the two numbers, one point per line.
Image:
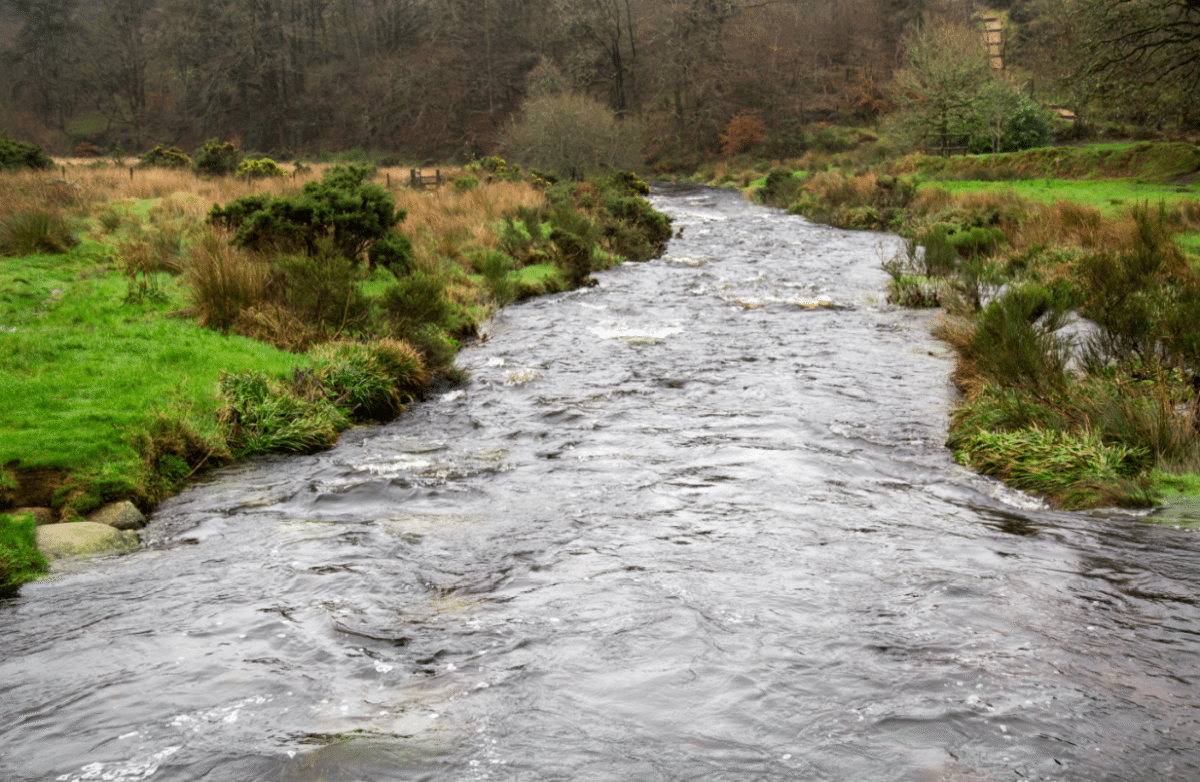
20	560
161	335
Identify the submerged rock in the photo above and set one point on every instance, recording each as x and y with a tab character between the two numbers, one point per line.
82	538
119	515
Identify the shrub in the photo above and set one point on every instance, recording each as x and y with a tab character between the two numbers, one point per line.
574	136
744	132
342	206
465	184
262	168
18	154
574	256
416	300
34	231
436	346
1013	343
218	159
780	189
401	363
322	289
637	230
165	157
495	267
393	251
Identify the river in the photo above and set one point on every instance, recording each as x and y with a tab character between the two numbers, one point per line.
682	525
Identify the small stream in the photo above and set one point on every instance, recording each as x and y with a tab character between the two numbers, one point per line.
680	526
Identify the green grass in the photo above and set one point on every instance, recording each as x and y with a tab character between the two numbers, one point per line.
82	369
1111	196
20	561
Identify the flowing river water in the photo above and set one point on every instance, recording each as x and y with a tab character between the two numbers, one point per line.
678	526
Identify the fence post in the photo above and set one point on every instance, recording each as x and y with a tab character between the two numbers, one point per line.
131	172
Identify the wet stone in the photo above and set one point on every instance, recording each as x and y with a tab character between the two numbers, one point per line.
119	515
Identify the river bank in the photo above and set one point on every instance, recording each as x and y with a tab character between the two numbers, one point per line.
141	344
1070	302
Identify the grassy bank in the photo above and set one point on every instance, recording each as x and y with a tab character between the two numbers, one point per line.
1092	412
146	334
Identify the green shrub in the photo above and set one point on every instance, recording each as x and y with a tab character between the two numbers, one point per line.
915	291
466	183
1014	343
264	416
218	159
417	299
495	267
392	251
354	213
322	289
401	363
18	154
628	183
262	168
781	188
437	347
34	231
165	157
20	560
574	256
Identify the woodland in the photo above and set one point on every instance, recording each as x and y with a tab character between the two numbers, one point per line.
439	80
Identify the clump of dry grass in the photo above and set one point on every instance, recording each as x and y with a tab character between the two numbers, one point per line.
225	280
446	223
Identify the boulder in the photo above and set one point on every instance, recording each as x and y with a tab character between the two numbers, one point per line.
119	515
40	515
81	539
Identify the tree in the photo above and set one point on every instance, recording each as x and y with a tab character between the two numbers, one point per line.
945	69
574	136
47	57
1148	49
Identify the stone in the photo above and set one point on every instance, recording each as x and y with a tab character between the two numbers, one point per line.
119	515
82	539
40	515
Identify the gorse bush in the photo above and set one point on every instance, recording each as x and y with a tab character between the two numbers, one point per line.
416	300
353	213
322	289
18	154
262	168
218	159
165	157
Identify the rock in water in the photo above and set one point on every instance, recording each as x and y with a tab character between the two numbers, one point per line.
119	515
82	538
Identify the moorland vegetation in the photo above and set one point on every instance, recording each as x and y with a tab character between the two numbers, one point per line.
162	320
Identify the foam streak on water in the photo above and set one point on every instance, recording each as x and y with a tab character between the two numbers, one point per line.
683	525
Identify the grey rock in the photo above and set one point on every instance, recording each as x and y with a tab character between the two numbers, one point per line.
82	539
119	515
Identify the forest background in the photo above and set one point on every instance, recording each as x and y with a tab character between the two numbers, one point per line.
436	80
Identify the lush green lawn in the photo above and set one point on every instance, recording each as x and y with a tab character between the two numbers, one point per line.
82	368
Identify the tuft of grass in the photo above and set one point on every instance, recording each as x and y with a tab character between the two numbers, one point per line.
263	416
1076	469
224	280
20	560
36	231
